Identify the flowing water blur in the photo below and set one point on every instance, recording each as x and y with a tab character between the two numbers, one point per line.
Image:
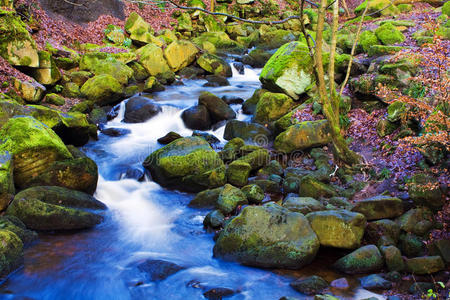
146	221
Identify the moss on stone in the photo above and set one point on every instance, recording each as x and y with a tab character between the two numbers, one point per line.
11	252
368	39
238	172
388	34
102	89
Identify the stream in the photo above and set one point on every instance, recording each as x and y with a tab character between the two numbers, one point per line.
146	221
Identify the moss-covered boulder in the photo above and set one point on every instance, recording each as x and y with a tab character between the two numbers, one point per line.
379	50
275	38
217	108
310	286
114	34
302	205
139	30
184	22
425	265
384	228
425	190
7	189
33	146
72	128
13	224
152	59
393	258
338	228
220	41
180	54
272	106
413	218
388	34
214	64
16	44
311	187
48	72
247	131
446	9
79	174
55	208
55	99
302	136
31	91
254	238
363	260
230	198
368	39
187	164
289	70
379	207
257	159
377	8
100	63
206	199
254	193
11	252
102	89
238	172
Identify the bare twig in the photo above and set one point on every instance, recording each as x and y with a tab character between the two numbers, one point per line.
352	53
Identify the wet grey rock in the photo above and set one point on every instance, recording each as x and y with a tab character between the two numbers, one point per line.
157	270
140	109
115	132
310	286
197	117
374	282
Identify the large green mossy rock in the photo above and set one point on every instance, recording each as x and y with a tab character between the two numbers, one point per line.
206	199
33	146
368	39
303	136
268	236
55	208
289	70
114	34
152	59
379	207
100	63
220	40
48	73
188	164
16	44
180	54
275	39
377	7
230	198
11	252
338	228
72	127
388	34
79	174
214	64
425	265
7	189
411	220
138	29
184	22
302	205
272	106
102	89
211	23
363	260
311	187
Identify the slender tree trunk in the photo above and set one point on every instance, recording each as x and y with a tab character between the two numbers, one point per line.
341	150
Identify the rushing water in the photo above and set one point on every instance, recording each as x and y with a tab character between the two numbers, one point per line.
145	221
